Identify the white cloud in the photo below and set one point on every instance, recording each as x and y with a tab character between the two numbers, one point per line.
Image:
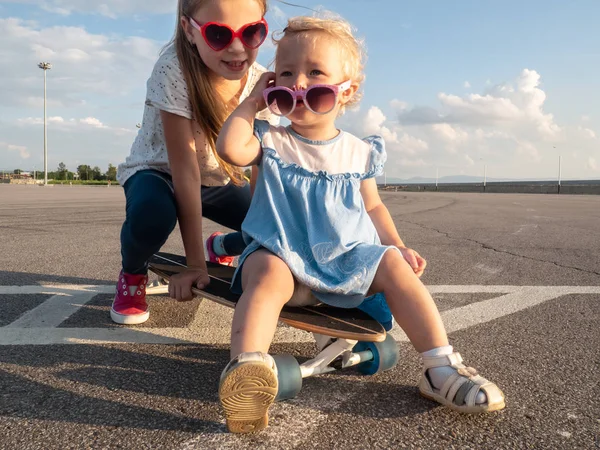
108	8
84	64
592	163
509	105
61	124
586	132
20	149
467	85
505	128
96	92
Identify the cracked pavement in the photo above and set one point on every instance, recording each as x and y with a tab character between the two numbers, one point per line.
491	260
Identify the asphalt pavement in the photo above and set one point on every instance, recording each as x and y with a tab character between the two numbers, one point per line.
516	277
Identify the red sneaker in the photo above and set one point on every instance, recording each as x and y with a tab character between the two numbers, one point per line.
129	306
225	260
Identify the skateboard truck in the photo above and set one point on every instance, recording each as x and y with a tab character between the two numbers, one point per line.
368	357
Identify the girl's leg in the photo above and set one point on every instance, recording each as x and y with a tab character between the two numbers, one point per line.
151	216
228	206
445	378
267	285
249	383
410	302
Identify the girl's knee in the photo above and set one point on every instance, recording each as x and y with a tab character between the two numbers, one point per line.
393	260
151	223
264	270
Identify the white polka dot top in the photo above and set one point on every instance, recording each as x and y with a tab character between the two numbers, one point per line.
167	91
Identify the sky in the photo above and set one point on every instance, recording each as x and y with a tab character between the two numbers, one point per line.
453	86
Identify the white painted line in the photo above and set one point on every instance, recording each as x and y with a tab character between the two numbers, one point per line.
56	289
212	336
485	311
53	311
474	289
21	332
47	336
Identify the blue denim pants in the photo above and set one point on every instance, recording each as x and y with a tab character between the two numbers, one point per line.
151	216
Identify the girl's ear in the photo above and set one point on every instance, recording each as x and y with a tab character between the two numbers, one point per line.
348	94
187	28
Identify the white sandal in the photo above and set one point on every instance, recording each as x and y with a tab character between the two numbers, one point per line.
247	389
460	390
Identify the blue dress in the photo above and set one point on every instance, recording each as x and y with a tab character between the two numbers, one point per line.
314	220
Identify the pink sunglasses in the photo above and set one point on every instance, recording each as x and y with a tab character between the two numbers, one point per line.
219	36
318	98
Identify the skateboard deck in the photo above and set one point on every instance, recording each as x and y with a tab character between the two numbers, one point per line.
322	319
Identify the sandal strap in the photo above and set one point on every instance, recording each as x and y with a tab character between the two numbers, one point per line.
464	394
452	385
462	387
453	359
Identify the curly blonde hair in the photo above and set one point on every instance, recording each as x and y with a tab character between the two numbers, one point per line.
353	49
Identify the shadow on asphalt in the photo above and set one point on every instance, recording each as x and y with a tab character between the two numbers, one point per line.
176	389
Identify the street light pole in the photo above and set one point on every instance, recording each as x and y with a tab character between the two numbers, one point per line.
559	172
45	66
484	177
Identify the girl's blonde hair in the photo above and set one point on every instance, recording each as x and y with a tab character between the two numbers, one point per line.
209	109
353	50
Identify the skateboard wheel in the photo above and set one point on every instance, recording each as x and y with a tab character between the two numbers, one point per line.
289	377
385	356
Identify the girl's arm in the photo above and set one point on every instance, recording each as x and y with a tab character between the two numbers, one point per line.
379	214
237	144
388	234
181	148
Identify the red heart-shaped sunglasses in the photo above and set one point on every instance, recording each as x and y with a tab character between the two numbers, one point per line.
219	36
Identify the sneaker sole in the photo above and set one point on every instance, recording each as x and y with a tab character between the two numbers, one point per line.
246	394
129	319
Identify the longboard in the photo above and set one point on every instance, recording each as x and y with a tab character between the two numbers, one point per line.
322	319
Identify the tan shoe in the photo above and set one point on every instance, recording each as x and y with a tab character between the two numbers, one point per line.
247	389
460	390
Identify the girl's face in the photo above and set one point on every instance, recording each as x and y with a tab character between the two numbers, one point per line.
303	61
233	62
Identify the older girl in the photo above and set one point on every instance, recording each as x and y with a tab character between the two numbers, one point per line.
173	172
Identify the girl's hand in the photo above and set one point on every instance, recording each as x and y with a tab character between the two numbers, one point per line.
415	260
180	285
265	81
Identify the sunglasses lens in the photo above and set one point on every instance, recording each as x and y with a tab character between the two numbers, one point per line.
280	102
254	35
218	37
321	99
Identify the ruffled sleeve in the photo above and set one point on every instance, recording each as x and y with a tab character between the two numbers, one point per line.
377	158
260	128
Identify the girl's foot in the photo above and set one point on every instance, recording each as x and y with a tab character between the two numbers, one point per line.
248	387
459	387
214	250
129	305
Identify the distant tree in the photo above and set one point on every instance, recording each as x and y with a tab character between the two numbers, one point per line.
111	173
17	171
97	173
84	171
61	172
